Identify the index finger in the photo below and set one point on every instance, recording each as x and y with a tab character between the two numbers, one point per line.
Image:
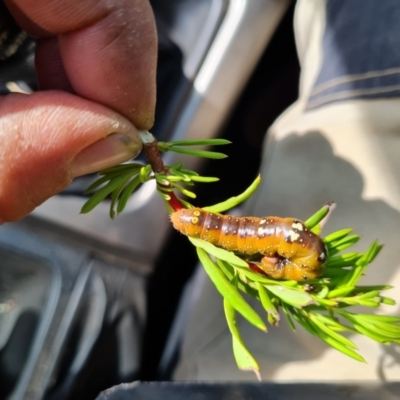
108	50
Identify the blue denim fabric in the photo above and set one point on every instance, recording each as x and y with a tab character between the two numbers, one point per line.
361	52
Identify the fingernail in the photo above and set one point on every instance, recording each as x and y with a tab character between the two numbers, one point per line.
107	152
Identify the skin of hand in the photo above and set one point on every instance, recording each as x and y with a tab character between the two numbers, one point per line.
96	67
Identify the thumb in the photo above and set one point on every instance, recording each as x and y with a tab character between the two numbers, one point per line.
48	138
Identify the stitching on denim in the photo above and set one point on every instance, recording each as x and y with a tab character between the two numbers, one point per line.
350	94
352	78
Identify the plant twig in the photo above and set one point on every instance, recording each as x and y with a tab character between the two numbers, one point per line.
153	155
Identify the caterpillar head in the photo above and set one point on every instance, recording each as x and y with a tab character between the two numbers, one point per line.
188	221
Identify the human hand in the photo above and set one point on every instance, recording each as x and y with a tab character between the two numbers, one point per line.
96	66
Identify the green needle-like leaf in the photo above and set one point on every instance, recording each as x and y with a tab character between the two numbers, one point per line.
388	301
173	178
323	293
235	201
162	180
133	167
389	332
334	335
363	289
363	262
244	359
144	173
186	204
336	236
256	277
317	229
99	196
339	346
349	238
295	298
305	323
333	323
226	268
378	318
184	191
372	335
335	273
374	326
228	291
343	244
198	153
316	218
188	172
230	273
98	183
114	198
344	260
201	142
203	179
273	315
340	292
166	197
286	313
377	323
326	302
219	253
177	169
126	194
368	295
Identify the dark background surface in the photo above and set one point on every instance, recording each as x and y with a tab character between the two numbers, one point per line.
262	391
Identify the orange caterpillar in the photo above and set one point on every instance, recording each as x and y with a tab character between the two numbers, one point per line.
289	249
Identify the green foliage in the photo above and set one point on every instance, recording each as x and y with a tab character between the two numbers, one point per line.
244	358
236	200
177	177
319	306
180	146
118	183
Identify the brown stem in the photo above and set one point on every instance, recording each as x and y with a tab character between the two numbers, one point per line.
153	155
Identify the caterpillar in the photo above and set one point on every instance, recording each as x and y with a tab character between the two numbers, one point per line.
288	249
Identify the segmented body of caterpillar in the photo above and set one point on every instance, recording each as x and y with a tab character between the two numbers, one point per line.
289	249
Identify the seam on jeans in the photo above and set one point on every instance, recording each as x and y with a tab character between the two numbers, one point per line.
350	94
351	78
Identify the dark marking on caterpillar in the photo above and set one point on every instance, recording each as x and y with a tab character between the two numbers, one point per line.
289	250
309	288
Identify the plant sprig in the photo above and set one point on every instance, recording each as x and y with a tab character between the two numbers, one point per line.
319	306
121	181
